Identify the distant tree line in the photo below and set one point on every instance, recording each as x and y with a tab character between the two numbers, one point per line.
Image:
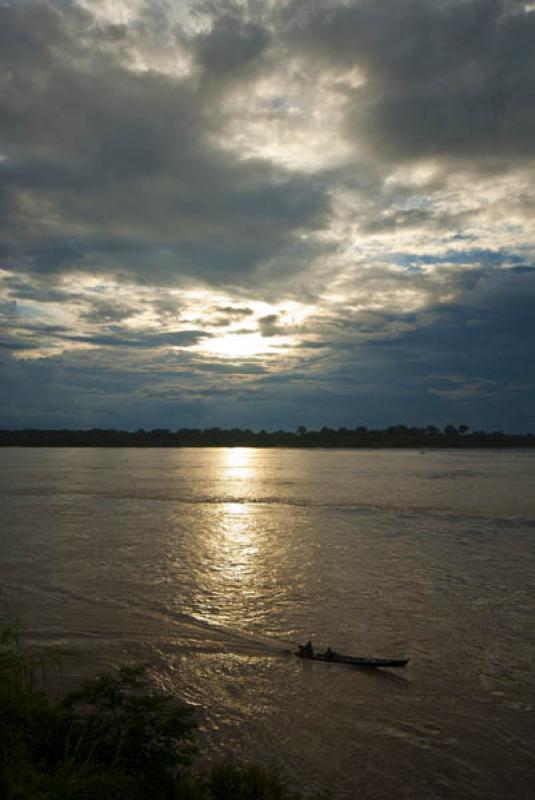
459	436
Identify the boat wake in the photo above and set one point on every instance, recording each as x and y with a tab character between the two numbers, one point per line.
180	631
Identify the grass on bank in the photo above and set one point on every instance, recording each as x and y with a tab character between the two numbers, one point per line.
114	738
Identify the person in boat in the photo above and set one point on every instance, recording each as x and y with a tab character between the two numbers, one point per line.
306	650
329	653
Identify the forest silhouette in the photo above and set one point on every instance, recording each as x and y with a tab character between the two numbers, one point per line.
457	436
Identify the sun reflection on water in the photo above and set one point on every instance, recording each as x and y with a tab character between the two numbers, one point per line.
238	543
238	464
233	548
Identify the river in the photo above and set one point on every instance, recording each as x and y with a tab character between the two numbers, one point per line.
210	564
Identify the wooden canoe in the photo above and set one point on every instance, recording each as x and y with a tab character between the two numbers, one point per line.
353	661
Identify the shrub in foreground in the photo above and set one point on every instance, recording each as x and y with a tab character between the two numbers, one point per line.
114	738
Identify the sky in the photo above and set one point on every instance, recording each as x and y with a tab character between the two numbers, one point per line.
267	213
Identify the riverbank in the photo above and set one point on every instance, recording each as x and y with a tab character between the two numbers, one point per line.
396	436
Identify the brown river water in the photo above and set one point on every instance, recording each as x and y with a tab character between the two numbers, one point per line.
211	564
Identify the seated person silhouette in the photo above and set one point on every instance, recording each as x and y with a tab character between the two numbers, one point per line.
306	650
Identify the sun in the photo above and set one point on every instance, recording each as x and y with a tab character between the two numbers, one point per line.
242	345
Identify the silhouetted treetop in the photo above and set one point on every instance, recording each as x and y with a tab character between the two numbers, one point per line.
428	436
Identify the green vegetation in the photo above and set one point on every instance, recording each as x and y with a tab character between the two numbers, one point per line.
459	436
115	738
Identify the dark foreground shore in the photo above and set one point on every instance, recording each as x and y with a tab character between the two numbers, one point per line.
115	737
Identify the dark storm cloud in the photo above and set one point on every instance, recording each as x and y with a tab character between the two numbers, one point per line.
194	152
442	79
466	361
8	308
230	45
234	312
31	336
120	338
226	315
113	169
13	344
485	340
269	325
106	311
91	395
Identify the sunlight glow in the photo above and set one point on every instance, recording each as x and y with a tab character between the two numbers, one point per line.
242	345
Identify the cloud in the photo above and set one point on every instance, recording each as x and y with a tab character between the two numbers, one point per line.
107	312
467	360
106	168
267	213
118	338
231	46
448	80
269	325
